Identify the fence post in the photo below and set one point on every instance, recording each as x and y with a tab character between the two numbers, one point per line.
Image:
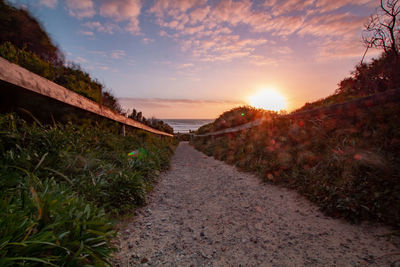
123	130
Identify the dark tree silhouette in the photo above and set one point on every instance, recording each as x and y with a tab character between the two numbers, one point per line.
382	29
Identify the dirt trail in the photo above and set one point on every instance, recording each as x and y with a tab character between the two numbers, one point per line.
205	212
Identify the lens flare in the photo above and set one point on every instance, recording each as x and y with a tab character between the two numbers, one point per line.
268	100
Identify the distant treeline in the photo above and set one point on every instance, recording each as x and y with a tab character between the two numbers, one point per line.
152	122
23	41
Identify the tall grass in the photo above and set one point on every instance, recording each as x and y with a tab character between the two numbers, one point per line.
350	167
61	184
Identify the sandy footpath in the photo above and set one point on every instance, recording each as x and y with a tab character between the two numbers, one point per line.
205	212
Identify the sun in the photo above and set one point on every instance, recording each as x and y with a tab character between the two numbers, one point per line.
268	99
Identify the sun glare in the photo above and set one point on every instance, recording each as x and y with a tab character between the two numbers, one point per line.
268	100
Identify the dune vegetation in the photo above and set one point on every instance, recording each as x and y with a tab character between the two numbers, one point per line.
62	185
348	165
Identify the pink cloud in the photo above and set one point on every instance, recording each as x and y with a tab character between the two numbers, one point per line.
338	49
259	60
123	10
329	5
117	54
163	7
199	14
283	25
185	65
49	3
81	8
86	33
282	7
205	29
147	40
106	28
332	25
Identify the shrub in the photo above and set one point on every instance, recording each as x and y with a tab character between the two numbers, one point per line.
348	166
61	184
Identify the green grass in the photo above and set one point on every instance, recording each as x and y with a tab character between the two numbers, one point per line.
61	186
350	167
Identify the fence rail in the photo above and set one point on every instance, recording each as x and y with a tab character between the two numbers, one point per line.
22	78
345	109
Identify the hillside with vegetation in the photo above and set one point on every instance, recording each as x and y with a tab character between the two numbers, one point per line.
348	165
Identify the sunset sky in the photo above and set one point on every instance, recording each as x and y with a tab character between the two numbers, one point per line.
198	58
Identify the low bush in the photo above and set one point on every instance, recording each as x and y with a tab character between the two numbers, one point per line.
61	185
349	166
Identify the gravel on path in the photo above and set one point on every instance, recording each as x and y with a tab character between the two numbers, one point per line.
204	212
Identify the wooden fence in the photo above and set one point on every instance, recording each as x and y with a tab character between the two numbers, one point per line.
20	79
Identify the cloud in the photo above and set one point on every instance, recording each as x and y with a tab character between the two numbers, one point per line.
281	26
284	50
185	65
105	28
167	7
168	103
329	5
49	3
178	108
288	6
147	40
81	60
81	8
330	49
117	54
123	10
206	31
259	60
222	48
199	14
332	25
86	33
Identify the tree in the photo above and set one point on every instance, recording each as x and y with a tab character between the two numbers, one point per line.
139	116
382	30
133	114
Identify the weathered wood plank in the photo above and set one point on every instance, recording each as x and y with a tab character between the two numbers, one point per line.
23	78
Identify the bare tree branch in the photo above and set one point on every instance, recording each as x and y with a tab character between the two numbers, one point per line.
381	30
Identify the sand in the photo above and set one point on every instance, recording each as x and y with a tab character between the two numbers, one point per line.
204	212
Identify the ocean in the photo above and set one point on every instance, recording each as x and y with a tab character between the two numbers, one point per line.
184	125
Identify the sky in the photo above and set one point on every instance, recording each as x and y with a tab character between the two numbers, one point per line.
199	58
